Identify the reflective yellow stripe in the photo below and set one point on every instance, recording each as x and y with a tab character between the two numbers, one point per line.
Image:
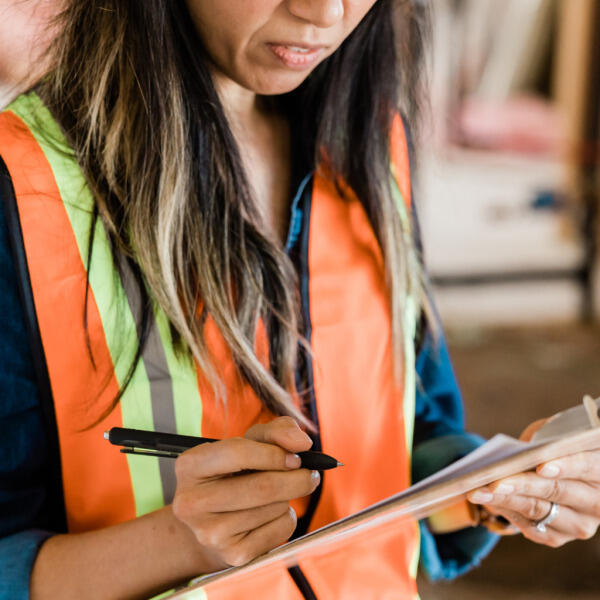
409	330
117	320
410	320
409	323
414	563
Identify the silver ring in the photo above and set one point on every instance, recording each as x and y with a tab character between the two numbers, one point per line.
541	525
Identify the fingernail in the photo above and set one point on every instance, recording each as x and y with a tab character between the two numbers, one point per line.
504	489
482	497
315	477
292	461
549	470
293	515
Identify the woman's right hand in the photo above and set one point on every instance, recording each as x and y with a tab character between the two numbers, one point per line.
234	494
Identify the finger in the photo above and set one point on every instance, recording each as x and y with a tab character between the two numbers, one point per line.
578	495
243	521
254	489
584	466
283	431
232	456
224	529
533	509
551	537
573	524
262	539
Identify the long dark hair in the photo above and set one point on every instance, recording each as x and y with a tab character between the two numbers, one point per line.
131	87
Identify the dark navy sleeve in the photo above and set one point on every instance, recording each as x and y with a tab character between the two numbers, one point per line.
23	452
439	407
440	439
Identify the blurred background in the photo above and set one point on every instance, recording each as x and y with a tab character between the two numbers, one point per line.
508	197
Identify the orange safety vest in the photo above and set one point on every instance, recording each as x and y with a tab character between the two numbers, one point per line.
363	418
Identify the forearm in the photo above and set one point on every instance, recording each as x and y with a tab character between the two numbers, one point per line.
136	559
233	495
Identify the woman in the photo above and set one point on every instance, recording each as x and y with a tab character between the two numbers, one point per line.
171	291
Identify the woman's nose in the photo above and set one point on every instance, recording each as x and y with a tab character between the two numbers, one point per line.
321	13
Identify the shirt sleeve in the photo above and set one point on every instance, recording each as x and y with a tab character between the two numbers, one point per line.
23	448
440	439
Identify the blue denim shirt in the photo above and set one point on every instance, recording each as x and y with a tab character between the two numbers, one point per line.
439	439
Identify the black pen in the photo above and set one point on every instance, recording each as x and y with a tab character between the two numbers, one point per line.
170	445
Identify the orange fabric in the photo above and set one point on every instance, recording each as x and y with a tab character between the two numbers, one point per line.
357	400
274	583
243	408
350	313
96	479
360	409
371	566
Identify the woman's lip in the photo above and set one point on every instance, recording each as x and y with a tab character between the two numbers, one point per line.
296	56
298	45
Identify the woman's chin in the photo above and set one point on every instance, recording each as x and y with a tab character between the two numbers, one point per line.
276	83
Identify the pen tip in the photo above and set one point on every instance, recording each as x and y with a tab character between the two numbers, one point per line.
340	464
106	435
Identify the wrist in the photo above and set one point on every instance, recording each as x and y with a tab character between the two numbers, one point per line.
198	559
464	514
461	515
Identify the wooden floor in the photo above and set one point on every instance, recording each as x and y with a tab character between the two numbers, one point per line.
509	378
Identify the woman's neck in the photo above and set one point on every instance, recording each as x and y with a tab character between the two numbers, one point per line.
241	106
263	139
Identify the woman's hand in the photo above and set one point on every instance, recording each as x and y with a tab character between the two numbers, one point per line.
234	494
571	482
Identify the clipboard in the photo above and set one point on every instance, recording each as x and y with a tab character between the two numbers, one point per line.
500	457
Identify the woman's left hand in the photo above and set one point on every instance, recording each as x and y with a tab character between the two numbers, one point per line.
571	482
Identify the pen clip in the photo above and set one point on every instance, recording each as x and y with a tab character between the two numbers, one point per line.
157	453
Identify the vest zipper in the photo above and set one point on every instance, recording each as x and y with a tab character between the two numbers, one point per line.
306	365
300	232
302	583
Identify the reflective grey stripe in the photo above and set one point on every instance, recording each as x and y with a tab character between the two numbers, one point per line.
159	376
163	406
